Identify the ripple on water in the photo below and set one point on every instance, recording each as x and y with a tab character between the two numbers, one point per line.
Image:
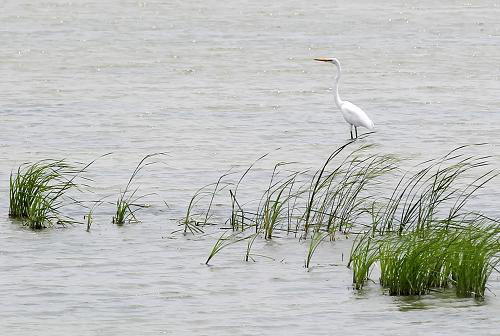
217	85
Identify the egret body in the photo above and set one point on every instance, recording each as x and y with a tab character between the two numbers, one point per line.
353	115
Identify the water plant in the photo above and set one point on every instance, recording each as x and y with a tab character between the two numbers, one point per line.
237	212
473	256
364	255
315	241
223	242
415	262
37	192
275	203
89	217
338	198
125	209
127	203
436	191
190	222
330	200
423	237
420	238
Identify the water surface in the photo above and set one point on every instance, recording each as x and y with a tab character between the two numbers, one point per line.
217	84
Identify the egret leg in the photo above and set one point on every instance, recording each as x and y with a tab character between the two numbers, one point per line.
351	134
356	130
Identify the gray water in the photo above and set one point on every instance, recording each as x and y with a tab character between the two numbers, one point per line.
216	84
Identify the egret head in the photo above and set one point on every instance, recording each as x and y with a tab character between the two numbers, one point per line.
329	60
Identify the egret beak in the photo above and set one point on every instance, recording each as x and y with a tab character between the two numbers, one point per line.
323	59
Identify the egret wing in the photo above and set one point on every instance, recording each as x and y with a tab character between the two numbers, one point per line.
355	115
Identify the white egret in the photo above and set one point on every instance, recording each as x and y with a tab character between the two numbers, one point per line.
353	115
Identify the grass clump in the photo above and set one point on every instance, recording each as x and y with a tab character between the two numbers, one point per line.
296	202
223	242
423	238
435	193
315	241
190	222
338	197
127	203
89	217
37	190
416	262
473	257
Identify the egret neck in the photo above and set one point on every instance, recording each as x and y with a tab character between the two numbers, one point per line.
338	101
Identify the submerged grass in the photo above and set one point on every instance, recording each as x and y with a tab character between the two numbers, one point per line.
127	203
315	241
435	193
473	257
223	242
416	262
190	223
423	237
89	217
300	203
37	192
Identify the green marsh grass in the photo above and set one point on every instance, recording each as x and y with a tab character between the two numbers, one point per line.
223	242
127	203
315	241
330	200
338	198
437	191
423	237
274	207
416	262
473	257
37	192
89	217
190	221
251	241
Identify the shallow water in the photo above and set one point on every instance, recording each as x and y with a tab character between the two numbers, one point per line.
217	84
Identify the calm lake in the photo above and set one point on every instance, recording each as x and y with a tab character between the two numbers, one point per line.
215	85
